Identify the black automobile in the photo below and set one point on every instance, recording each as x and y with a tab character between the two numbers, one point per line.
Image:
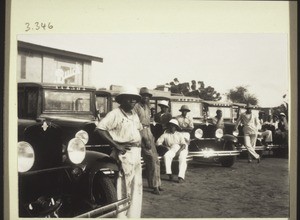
209	144
58	175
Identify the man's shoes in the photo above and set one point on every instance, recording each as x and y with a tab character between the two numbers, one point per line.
156	191
170	177
258	160
160	189
180	180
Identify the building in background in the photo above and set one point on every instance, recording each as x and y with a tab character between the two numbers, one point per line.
42	64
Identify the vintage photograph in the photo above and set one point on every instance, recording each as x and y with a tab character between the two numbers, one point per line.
153	125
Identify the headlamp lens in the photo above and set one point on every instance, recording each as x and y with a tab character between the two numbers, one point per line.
25	156
83	135
198	133
76	150
219	133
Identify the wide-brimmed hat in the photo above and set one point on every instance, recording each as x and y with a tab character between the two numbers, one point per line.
145	90
184	108
282	114
174	122
163	103
128	91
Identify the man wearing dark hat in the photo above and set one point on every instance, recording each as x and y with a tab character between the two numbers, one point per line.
185	122
121	128
251	124
176	145
149	152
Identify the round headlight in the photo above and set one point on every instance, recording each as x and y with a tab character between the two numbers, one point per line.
83	135
219	133
25	156
76	150
198	133
235	133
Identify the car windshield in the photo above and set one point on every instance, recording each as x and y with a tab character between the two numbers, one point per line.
67	101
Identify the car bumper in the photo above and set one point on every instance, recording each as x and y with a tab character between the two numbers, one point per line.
212	153
111	210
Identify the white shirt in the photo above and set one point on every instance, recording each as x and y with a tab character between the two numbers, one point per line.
122	127
170	139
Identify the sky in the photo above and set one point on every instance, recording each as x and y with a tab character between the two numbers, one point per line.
223	61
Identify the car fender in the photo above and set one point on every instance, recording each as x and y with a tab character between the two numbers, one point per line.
228	137
96	162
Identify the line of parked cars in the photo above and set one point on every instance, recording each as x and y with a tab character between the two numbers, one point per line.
64	168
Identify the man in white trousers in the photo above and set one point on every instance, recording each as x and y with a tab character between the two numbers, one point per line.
121	128
176	144
250	129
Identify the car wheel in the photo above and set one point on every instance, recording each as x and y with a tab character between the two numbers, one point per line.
104	190
228	161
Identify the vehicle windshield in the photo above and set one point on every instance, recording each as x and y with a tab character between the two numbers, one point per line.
67	101
195	107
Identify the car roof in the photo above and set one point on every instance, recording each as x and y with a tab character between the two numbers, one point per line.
55	86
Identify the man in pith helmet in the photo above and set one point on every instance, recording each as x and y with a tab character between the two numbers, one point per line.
121	128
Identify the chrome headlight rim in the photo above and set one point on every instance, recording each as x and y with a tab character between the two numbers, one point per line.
219	133
198	133
76	150
26	156
235	133
83	135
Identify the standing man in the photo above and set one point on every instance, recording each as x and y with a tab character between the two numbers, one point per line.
148	144
163	117
176	145
185	123
251	123
121	128
218	120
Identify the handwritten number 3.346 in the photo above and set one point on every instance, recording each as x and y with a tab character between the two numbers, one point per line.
38	26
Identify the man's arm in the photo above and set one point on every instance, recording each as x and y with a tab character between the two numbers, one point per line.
105	134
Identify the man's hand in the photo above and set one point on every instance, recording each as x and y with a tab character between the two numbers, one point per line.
123	147
182	147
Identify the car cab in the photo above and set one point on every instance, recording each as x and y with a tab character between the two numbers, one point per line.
58	175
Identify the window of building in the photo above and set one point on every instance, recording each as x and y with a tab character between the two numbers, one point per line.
29	66
68	71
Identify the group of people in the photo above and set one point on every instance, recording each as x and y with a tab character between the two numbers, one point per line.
127	129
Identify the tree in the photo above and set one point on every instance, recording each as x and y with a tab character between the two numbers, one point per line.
206	93
240	94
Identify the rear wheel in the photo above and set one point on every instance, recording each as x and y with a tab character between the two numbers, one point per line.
104	190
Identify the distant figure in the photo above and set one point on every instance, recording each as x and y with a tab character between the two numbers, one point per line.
194	85
251	123
176	82
201	85
218	120
283	128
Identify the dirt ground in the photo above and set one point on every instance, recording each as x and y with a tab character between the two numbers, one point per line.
211	191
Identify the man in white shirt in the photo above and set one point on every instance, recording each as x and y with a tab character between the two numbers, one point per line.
251	123
185	123
121	128
176	144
